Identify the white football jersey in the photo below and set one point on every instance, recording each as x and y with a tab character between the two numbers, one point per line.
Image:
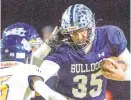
14	79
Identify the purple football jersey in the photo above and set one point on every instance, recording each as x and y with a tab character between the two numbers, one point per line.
80	75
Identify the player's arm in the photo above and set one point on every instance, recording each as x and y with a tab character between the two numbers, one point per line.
118	43
47	46
118	73
126	57
48	69
38	56
46	92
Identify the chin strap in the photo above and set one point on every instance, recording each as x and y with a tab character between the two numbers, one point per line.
87	48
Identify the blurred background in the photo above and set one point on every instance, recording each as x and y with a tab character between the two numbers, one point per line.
40	13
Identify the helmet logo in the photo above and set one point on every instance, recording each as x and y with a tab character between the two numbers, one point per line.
6	51
16	31
26	44
72	28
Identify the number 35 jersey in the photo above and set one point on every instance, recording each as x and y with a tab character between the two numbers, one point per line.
14	80
80	75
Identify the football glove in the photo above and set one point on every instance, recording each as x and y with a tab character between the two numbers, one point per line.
56	38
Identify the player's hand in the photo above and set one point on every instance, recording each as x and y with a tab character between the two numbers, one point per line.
116	73
55	38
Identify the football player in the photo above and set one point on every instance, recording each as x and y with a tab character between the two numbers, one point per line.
46	33
78	59
15	72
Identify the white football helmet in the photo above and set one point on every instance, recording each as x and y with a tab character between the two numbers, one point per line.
75	18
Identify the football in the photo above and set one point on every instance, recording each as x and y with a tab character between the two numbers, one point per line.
108	63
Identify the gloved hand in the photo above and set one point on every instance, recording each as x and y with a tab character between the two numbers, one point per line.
56	38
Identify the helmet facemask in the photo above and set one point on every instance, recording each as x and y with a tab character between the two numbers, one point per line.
35	44
80	44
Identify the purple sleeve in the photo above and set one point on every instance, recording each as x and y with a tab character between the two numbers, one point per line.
55	58
117	40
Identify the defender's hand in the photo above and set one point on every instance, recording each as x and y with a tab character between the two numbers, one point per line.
53	41
55	38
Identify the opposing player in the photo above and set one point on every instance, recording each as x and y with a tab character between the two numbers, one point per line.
78	59
15	72
46	33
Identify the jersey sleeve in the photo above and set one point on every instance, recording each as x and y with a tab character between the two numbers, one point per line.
55	58
117	39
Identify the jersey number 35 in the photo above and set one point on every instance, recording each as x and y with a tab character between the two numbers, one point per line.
94	81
